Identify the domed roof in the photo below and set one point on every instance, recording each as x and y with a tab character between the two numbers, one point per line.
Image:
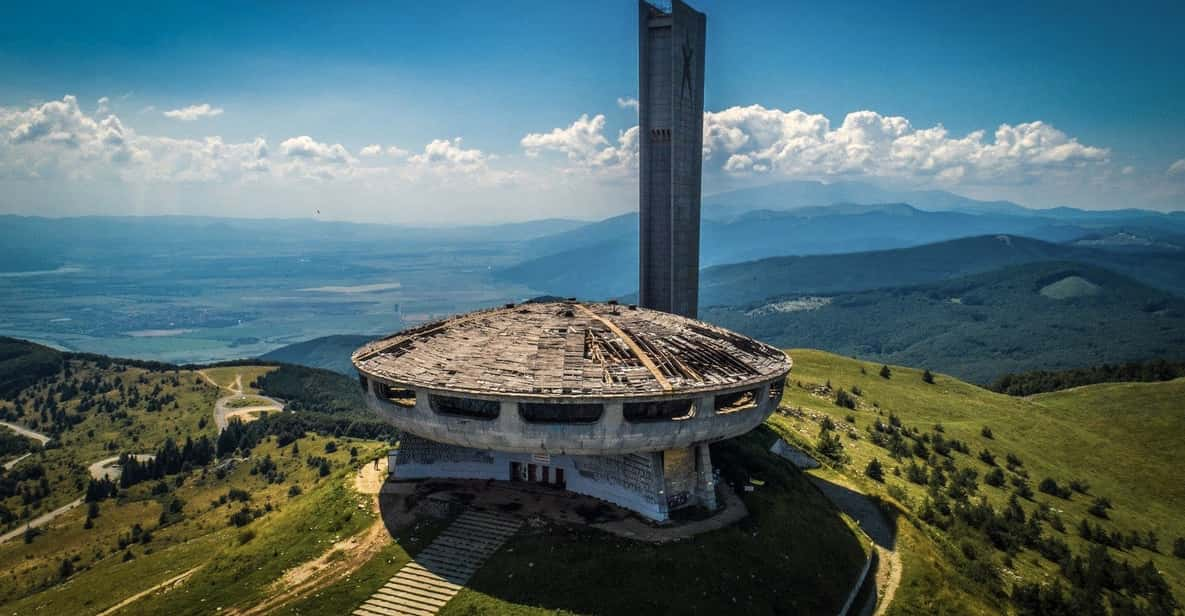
560	349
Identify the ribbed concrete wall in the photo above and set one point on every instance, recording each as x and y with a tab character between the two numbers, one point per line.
670	117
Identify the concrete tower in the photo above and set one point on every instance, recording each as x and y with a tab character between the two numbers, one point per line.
671	127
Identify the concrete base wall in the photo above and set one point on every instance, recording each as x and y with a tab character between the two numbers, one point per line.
636	481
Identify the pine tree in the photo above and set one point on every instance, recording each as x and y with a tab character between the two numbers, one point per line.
875	471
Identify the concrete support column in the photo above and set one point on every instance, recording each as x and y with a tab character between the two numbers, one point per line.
705	486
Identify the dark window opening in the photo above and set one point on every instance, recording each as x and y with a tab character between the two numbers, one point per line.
658	411
775	390
395	395
738	401
464	407
559	413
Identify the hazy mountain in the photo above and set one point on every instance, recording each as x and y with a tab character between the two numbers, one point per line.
601	260
804	193
1033	316
750	281
328	352
34	243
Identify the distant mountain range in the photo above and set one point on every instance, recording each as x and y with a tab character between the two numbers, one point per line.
752	281
600	260
1037	315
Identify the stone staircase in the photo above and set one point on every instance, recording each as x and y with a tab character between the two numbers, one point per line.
439	572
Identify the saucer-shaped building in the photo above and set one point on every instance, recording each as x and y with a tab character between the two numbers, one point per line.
616	402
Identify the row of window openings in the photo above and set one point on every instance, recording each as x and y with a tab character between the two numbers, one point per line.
664	410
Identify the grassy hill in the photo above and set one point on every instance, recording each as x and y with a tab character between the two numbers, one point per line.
1120	441
1035	316
277	497
327	352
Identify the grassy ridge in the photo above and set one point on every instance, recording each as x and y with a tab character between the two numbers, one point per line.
979	327
1123	439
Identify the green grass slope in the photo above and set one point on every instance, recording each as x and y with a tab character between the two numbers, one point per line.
1123	440
981	326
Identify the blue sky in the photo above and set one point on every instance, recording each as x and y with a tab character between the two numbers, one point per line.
1106	80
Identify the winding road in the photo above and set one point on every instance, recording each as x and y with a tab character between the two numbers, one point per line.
105	468
223	412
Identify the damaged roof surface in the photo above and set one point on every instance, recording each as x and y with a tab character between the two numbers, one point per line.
558	349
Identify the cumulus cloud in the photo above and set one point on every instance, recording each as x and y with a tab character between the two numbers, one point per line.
755	140
373	149
397	152
584	143
193	112
1177	168
57	139
450	153
758	140
627	102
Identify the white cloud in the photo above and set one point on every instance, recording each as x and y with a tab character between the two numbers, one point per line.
373	149
1128	170
194	112
1177	168
103	106
584	143
397	152
446	153
756	141
628	102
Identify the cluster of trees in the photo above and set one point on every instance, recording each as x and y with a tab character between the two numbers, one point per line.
950	505
288	427
1039	381
12	444
313	389
168	460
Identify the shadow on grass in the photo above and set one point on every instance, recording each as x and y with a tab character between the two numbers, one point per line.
793	554
879	526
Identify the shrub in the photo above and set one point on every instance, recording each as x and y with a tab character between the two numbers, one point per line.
844	399
830	446
1079	486
1049	486
928	377
850	418
246	536
987	457
875	471
885	372
294	491
1099	507
986	432
330	447
994	477
1179	547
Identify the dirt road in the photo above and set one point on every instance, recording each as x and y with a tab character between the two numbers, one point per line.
223	412
340	560
104	468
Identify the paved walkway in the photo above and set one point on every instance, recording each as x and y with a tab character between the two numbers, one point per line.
438	573
878	528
